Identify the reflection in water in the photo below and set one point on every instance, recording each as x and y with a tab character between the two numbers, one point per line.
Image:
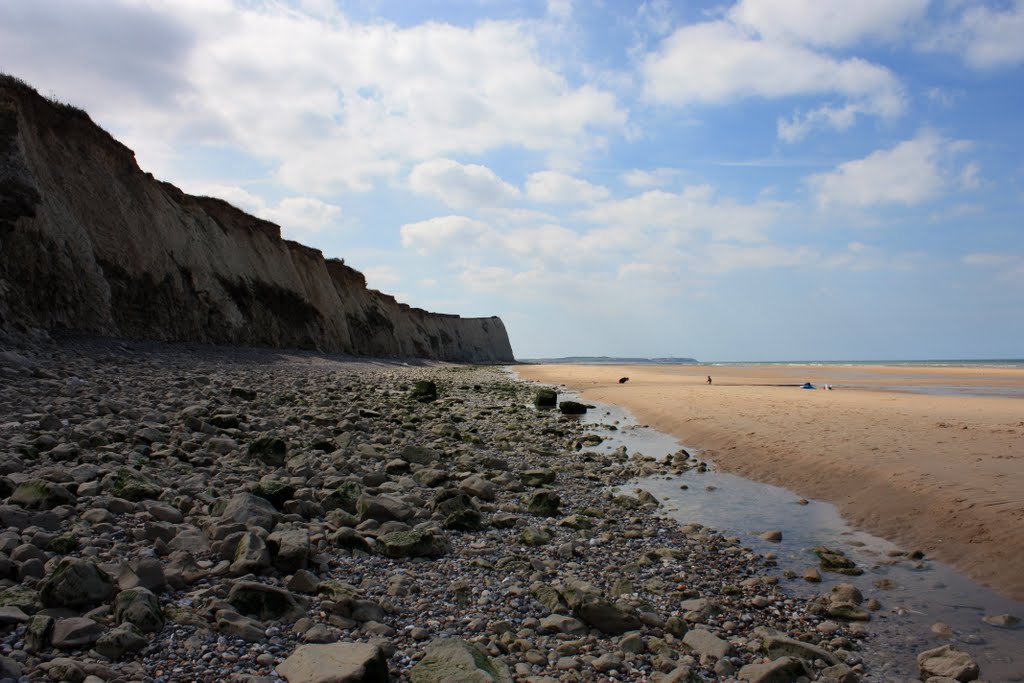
917	594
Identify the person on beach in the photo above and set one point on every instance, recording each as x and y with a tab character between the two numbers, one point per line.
709	379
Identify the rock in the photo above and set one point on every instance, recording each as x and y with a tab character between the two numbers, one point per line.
75	632
559	623
777	645
545	503
845	593
39	494
289	549
264	602
234	624
252	511
704	642
251	555
479	487
424	391
836	561
134	486
1001	620
546	398
382	508
276	491
76	583
121	640
781	670
947	661
537	477
774	535
535	536
269	449
588	604
64	669
412	543
573	408
140	608
335	663
812	575
452	659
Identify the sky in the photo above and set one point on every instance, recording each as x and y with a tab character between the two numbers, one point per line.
749	180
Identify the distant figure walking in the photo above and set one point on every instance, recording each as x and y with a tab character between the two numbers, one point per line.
623	380
709	379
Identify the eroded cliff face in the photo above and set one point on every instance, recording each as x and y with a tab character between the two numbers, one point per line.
91	243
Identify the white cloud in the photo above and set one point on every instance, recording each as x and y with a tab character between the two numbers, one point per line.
326	102
970	176
828	23
561	9
552	186
719	63
988	259
679	215
912	172
302	214
984	37
382	277
657	177
444	231
461	185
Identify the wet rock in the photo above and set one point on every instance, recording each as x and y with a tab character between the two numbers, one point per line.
573	408
589	605
777	645
836	561
1001	620
453	659
335	663
949	662
546	398
424	391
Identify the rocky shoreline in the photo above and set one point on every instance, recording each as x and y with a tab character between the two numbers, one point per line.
189	513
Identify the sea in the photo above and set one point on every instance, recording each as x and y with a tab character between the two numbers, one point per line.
938	363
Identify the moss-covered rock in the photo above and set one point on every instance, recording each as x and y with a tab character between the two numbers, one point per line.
573	408
134	486
264	602
140	608
39	494
546	398
276	491
453	659
412	543
545	503
76	583
424	391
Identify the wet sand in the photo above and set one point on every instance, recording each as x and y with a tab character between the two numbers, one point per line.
939	473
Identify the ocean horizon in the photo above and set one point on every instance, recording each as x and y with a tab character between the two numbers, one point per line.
938	363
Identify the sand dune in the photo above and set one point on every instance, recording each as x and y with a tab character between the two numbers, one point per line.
944	474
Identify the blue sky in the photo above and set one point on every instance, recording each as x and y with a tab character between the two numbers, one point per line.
757	180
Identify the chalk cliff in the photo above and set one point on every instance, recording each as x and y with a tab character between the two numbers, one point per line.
91	243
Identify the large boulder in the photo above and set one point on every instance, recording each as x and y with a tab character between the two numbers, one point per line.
335	663
451	659
382	508
121	640
251	555
290	549
76	583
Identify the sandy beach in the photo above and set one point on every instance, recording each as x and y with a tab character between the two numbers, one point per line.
939	473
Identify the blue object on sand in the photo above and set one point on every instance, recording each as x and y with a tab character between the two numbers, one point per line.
807	385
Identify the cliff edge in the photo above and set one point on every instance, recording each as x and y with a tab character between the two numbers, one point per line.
91	243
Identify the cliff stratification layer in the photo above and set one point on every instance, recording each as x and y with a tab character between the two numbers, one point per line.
91	243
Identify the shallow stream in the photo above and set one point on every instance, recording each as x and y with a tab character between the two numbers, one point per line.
920	593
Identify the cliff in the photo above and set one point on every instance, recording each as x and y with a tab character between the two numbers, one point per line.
91	243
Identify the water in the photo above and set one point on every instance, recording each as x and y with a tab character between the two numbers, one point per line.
923	593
